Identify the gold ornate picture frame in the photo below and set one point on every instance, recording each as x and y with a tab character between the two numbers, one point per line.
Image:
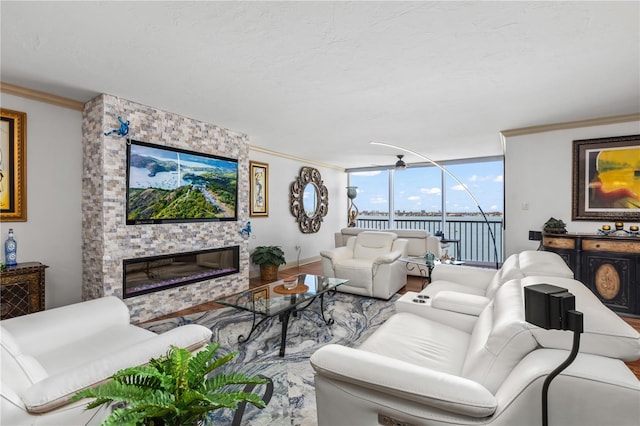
13	166
258	189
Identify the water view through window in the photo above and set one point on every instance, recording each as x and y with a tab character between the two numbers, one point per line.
423	197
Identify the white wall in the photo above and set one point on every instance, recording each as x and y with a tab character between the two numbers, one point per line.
280	227
52	232
537	173
538	181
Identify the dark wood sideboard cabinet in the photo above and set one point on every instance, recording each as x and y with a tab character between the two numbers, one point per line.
22	289
609	266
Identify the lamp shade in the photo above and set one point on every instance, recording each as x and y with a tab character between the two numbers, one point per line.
352	192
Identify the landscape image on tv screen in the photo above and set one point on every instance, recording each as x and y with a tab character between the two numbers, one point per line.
167	184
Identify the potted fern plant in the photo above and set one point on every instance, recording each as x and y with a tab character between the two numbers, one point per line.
269	258
172	390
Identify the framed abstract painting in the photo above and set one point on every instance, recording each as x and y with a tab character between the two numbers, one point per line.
606	179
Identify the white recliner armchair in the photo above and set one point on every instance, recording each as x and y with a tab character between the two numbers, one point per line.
48	356
417	371
370	261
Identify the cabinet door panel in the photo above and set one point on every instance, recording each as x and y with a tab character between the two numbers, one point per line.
611	278
22	289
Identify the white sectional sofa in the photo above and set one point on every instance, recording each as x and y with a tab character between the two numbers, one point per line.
418	371
458	293
48	356
419	242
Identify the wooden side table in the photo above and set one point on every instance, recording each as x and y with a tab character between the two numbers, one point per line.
22	289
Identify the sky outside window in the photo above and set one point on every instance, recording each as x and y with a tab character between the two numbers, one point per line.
418	189
484	181
373	190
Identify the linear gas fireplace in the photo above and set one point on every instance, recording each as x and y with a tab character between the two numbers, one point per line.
155	273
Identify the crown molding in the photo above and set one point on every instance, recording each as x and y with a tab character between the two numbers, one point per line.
570	125
36	95
291	157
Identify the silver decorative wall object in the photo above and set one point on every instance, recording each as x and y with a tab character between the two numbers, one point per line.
309	200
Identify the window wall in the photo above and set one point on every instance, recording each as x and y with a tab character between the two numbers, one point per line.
423	196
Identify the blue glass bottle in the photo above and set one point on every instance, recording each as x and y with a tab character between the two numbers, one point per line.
10	250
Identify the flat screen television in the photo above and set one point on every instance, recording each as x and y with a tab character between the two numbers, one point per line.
166	184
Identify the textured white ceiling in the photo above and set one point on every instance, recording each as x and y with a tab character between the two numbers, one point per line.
320	80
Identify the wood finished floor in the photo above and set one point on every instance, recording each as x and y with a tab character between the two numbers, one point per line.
413	284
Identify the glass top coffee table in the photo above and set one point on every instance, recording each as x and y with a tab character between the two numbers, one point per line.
274	299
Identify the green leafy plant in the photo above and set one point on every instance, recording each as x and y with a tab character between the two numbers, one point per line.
554	223
268	255
554	226
172	390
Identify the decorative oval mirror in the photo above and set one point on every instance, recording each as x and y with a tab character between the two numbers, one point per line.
309	200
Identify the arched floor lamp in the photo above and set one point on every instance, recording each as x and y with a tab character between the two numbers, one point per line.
475	201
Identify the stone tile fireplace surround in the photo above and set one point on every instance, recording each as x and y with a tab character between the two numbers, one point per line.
107	240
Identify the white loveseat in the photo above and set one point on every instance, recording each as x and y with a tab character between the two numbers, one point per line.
370	261
419	242
457	294
48	356
417	371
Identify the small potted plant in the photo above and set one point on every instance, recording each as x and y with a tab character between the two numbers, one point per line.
555	226
172	390
269	258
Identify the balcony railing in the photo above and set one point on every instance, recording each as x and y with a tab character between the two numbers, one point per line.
475	240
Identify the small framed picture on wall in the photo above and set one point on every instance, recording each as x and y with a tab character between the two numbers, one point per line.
258	189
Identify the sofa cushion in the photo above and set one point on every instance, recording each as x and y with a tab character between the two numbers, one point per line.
92	348
437	286
56	390
605	333
416	241
419	241
43	331
359	271
19	369
8	343
500	338
529	263
420	341
370	245
391	379
510	270
464	303
543	263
